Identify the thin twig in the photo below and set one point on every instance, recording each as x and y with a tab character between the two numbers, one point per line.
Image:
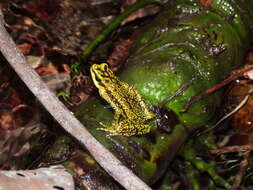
229	149
237	108
64	117
236	74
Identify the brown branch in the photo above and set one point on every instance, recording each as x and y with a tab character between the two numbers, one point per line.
238	107
61	114
229	149
236	74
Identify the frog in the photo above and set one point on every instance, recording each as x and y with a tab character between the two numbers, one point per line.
131	110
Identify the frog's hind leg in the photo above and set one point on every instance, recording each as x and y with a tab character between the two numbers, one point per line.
143	129
132	127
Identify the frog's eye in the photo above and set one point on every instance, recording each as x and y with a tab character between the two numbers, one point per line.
97	78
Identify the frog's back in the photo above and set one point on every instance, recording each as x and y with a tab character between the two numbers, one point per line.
135	104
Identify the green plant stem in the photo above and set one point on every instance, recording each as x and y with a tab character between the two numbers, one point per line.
192	176
190	155
112	26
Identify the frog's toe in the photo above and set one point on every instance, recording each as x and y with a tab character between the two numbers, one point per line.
112	134
104	125
102	129
106	129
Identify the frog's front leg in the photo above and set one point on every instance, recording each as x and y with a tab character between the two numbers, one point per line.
116	117
114	124
108	128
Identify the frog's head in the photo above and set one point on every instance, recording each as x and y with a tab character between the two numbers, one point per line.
101	74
